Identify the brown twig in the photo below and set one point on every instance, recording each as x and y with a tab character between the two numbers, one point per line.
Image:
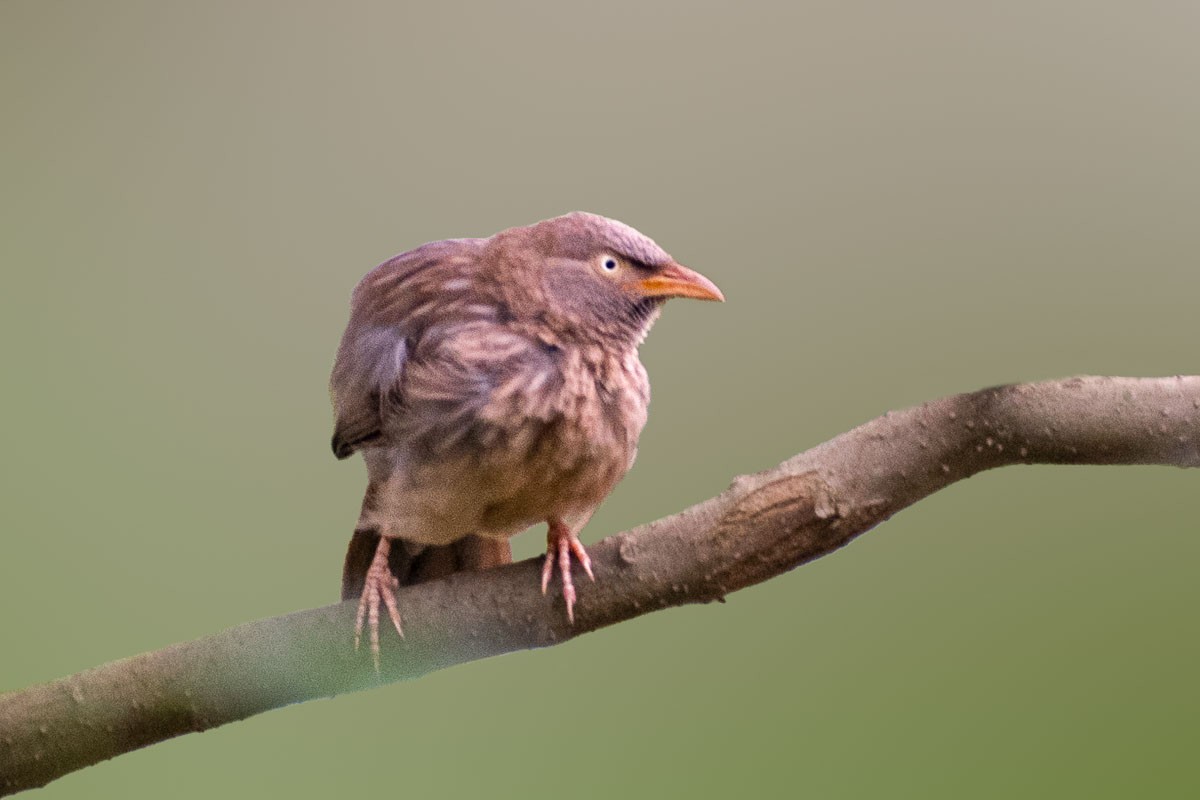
763	525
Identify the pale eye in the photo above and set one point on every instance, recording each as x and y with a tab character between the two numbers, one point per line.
609	264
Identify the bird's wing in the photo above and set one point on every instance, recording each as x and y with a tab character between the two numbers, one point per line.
390	309
475	383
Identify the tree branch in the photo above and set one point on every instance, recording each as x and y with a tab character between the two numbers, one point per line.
763	525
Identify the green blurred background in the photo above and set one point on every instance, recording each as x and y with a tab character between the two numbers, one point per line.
900	200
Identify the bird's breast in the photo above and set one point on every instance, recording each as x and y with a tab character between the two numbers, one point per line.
566	459
533	439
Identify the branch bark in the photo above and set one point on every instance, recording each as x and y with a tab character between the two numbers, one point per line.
763	525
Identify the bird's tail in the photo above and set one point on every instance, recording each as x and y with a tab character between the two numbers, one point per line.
413	563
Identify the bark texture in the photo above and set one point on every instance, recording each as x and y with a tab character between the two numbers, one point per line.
763	525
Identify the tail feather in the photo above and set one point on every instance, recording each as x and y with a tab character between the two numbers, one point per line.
414	563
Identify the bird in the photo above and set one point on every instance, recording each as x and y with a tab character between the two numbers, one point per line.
492	384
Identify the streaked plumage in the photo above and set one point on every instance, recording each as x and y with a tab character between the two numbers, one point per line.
492	384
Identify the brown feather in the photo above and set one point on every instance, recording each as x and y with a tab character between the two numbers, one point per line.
492	384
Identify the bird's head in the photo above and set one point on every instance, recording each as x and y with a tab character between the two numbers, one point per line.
587	275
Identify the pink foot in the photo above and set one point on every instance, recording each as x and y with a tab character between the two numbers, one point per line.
380	585
561	544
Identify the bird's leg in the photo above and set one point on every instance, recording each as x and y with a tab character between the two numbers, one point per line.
380	584
561	544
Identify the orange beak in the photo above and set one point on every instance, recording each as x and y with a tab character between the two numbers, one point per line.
676	280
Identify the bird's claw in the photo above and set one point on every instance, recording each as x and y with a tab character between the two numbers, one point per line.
380	585
561	544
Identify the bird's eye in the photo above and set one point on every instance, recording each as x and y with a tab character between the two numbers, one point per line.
609	263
